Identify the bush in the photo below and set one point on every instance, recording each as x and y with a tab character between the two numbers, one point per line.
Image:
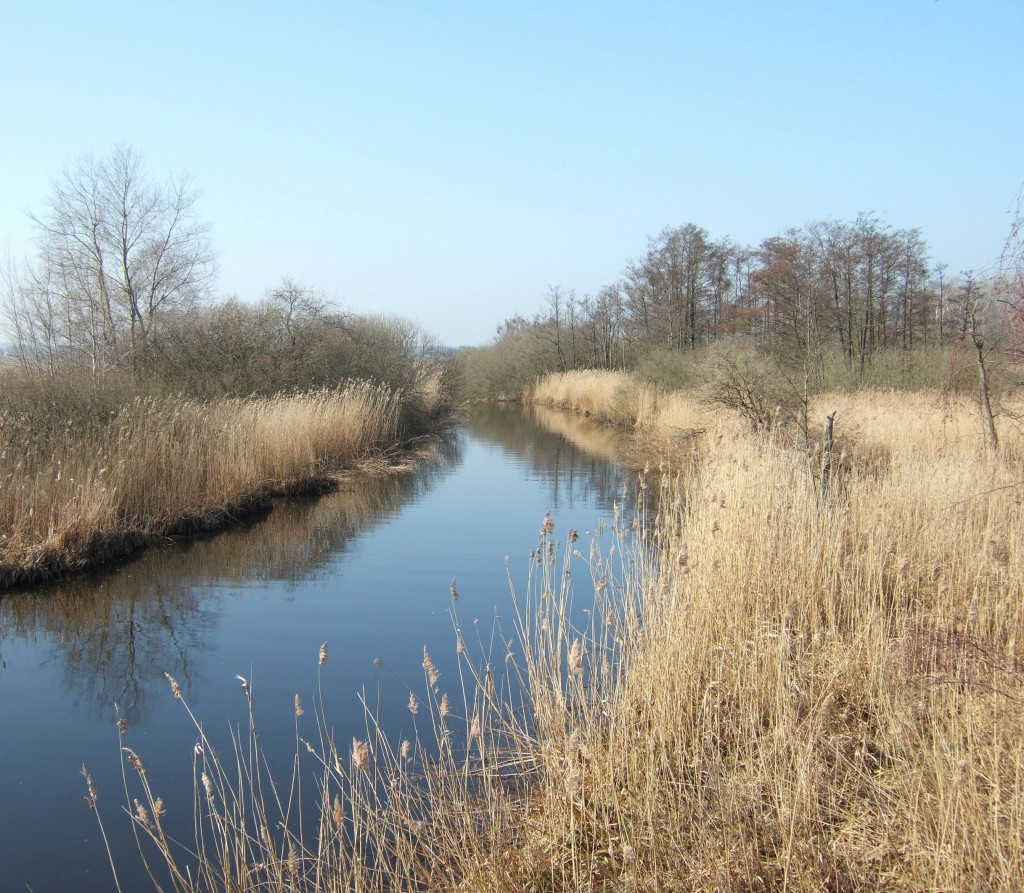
505	369
744	379
669	370
921	369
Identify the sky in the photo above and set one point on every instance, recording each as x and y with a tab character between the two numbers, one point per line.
449	162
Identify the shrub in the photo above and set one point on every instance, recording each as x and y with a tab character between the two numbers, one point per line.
744	379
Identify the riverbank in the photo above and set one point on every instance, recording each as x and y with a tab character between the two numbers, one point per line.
829	682
788	681
78	497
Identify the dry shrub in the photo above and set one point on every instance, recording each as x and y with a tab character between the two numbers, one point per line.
750	382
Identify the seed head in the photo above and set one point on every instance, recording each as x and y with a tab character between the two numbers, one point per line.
175	688
413	705
245	686
576	658
360	755
298	707
322	658
93	796
136	763
428	665
445	707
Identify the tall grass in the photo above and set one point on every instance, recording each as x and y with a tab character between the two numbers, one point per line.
442	809
829	687
780	687
659	420
159	465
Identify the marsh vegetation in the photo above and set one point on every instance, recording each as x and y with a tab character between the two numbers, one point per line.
792	663
777	684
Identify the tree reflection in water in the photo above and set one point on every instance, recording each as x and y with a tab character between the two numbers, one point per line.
571	453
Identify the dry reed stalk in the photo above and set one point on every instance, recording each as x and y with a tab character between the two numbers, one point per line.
163	466
588	392
781	692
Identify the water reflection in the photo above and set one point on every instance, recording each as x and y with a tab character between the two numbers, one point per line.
368	569
568	452
113	635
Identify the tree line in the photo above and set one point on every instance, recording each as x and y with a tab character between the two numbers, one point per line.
852	290
122	286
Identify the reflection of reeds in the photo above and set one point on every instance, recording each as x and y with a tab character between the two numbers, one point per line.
563	458
163	466
155	608
592	438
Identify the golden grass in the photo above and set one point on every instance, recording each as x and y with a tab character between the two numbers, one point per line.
780	689
605	395
834	686
660	421
921	423
163	465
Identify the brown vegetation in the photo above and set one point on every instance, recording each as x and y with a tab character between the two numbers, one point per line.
780	689
83	490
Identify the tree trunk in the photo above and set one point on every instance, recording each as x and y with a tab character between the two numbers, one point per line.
983	397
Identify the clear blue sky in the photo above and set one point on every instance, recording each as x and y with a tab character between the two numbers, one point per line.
449	161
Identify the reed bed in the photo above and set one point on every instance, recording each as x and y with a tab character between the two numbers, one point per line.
608	396
161	466
783	684
660	421
832	681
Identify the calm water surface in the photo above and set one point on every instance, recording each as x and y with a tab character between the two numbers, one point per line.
369	570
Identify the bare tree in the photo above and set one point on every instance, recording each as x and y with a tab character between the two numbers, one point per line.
1010	280
972	304
117	250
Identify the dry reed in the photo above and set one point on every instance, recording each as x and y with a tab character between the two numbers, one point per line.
162	466
780	687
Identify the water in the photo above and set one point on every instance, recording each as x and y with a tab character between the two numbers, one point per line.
369	570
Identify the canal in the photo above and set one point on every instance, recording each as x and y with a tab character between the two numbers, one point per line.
368	569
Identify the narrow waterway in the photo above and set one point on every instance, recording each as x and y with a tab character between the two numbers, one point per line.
368	570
